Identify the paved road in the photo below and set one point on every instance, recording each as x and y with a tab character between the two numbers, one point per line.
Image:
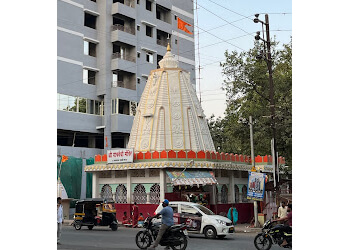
124	238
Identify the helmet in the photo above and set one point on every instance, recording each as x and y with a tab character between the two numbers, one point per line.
166	202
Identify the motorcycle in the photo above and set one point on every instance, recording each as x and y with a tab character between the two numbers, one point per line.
272	234
175	236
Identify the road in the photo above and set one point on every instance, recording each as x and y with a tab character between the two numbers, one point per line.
124	239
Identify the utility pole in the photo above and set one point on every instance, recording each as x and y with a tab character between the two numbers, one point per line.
253	165
271	85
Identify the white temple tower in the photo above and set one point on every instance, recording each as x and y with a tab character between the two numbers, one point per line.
169	115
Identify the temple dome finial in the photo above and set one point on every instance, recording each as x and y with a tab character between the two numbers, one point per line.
168	48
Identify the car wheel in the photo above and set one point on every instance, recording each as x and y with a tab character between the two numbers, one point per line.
210	232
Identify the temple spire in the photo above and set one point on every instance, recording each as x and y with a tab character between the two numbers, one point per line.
168	48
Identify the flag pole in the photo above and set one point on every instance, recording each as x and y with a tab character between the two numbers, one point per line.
59	170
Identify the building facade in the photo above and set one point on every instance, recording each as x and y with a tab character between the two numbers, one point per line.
105	51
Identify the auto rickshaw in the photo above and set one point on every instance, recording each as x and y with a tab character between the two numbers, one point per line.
95	212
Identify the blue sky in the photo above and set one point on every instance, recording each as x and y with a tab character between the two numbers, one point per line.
210	16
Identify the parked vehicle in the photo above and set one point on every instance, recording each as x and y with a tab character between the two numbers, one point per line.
95	212
175	236
272	234
200	220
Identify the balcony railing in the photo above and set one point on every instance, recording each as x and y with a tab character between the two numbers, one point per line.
118	55
122	84
123	28
130	3
162	42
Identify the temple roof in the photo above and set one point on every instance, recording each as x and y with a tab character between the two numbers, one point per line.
169	115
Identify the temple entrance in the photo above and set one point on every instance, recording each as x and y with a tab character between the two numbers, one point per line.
196	194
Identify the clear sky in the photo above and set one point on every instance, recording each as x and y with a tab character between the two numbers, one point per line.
240	35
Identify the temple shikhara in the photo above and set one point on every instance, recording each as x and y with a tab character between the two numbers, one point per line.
173	154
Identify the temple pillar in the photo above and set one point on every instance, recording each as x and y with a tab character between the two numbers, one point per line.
128	187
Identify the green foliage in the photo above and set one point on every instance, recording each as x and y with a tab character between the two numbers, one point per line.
246	82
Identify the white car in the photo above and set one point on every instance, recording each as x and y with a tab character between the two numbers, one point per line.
199	219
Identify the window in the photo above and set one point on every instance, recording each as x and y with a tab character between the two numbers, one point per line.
138	27
175	17
106	192
154	196
114	106
149	31
175	41
123	107
72	103
138	80
140	195
148	5
93	1
89	76
133	106
82	105
90	20
89	49
149	57
138	1
138	54
188	209
90	107
98	107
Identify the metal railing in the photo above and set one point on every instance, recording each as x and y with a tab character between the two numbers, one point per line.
130	3
123	28
122	84
118	55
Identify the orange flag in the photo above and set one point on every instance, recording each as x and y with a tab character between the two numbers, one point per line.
64	158
182	26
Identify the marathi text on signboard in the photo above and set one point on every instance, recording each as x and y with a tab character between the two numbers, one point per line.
256	186
120	155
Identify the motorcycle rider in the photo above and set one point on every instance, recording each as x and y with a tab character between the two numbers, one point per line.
167	221
287	228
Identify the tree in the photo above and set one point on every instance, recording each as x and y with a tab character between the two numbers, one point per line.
246	83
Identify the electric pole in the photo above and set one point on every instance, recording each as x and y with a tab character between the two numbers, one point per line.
268	60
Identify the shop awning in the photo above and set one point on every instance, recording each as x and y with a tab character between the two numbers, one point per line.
191	177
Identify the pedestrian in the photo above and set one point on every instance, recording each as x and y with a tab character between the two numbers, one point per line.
140	220
59	219
233	214
135	214
167	221
282	210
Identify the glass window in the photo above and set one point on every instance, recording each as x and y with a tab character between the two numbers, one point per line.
72	103
114	106
86	48
204	209
85	76
97	107
148	5
149	57
63	102
90	106
149	31
82	105
188	209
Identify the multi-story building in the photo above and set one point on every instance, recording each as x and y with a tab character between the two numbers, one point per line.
106	50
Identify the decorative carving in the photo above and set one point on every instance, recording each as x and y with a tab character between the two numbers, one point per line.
139	194
177	116
120	193
105	174
106	192
154	172
179	143
121	174
144	143
154	197
224	194
138	173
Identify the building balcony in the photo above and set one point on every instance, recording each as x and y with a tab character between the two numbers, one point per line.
125	65
123	34
127	8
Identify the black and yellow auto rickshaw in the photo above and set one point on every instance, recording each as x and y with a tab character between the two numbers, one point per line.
95	212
